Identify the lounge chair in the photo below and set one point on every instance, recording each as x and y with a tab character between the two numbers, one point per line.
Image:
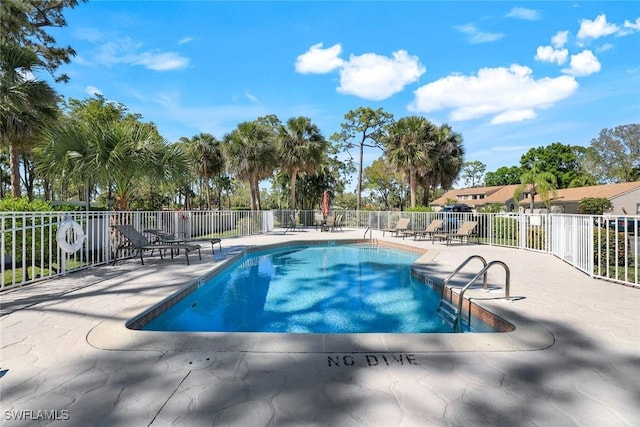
338	223
291	225
401	227
318	220
429	231
464	233
138	241
165	237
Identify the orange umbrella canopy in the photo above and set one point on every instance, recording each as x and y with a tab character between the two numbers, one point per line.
325	203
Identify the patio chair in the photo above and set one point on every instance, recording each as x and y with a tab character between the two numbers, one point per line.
138	241
338	223
166	237
318	219
464	233
329	223
291	225
401	227
429	231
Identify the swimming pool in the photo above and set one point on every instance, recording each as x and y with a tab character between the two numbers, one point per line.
320	288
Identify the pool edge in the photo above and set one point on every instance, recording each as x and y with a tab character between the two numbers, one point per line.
113	334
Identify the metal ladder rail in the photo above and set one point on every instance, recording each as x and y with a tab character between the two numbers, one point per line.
367	231
456	326
460	267
446	310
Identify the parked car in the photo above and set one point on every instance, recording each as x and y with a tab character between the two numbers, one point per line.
455	215
461	207
622	224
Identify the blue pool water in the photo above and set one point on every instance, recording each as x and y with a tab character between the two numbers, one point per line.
313	289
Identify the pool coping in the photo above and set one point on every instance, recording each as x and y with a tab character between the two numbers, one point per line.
114	333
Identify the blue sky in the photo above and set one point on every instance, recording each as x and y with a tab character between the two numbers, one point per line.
508	76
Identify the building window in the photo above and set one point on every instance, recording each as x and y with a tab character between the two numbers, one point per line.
638	208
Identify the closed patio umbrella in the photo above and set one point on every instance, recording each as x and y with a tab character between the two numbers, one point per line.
325	204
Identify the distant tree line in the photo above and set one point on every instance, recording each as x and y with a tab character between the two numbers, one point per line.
614	156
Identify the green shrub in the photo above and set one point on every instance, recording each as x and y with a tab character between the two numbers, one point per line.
11	204
594	205
493	208
614	245
535	238
30	231
505	228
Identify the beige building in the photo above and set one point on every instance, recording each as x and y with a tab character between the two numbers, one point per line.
625	198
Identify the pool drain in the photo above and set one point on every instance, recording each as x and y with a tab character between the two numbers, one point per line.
200	361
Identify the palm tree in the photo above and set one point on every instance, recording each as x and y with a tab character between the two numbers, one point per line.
446	160
249	152
209	163
537	183
301	149
62	153
26	104
407	148
117	155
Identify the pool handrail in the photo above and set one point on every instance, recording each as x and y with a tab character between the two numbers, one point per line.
458	268
472	281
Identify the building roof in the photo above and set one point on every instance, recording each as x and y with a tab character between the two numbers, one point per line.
494	194
607	191
502	194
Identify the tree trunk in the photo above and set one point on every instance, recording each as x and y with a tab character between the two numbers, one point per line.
254	190
14	161
360	176
533	196
29	175
412	188
426	186
208	193
292	190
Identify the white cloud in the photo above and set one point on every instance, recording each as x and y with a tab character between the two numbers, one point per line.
524	13
251	97
632	25
27	75
185	40
583	64
514	116
629	27
376	77
605	47
520	148
369	76
596	28
92	90
161	61
318	60
559	39
549	54
476	36
127	51
505	94
88	34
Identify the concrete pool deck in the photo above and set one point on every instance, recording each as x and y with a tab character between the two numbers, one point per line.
574	358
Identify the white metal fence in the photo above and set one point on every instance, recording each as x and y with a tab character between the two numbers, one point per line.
601	246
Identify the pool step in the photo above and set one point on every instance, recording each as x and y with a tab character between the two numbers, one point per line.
449	313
